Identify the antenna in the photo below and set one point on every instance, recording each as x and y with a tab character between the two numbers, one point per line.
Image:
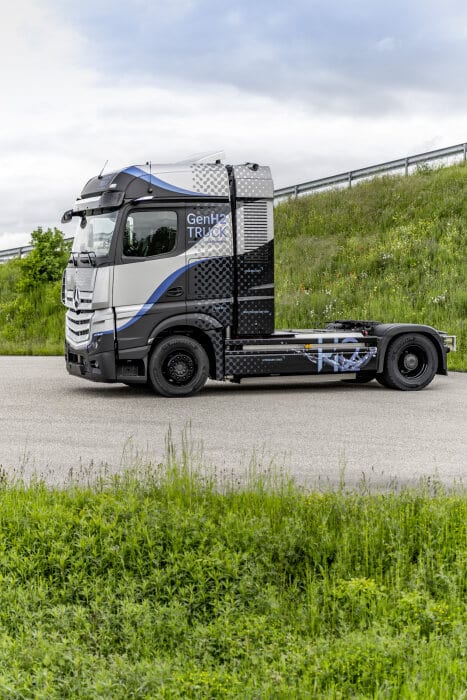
150	190
100	174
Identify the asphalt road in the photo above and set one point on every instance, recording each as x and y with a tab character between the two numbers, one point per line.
54	425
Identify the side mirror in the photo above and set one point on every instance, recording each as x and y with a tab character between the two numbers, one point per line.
67	216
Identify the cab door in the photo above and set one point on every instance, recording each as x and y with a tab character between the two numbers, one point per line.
150	273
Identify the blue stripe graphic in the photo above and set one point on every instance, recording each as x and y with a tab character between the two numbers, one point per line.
155	296
153	180
158	293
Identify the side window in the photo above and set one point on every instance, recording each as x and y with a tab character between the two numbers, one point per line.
149	233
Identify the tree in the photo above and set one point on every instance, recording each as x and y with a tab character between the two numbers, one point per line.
46	262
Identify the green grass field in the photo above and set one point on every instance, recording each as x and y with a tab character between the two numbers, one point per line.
165	583
392	249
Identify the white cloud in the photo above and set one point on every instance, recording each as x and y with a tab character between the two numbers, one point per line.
13	240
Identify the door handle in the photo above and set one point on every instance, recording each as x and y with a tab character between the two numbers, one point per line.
174	292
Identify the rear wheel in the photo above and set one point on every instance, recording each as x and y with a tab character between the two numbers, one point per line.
178	366
380	378
411	363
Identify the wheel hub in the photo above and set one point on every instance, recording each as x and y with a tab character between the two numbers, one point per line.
180	368
410	361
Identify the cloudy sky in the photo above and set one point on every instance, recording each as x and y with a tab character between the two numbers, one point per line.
310	87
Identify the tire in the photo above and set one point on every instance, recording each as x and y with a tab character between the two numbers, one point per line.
411	363
178	366
381	380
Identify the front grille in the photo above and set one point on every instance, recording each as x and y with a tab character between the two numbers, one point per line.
78	327
85	300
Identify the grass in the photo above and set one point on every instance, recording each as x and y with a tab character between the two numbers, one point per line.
167	583
31	322
391	249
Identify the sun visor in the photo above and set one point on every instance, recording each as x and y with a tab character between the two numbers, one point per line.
107	200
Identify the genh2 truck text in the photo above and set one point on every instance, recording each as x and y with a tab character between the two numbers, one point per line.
171	281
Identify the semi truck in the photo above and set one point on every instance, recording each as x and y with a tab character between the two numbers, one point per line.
170	281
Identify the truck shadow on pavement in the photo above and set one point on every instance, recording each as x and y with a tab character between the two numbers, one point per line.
123	392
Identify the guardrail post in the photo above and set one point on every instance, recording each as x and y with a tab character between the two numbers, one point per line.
296	191
465	151
406	167
350	179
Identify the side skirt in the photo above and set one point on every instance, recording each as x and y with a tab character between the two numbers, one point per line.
289	357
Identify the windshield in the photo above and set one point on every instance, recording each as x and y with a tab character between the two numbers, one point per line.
96	236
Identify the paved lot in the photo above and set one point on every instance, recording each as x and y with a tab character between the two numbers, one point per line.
53	423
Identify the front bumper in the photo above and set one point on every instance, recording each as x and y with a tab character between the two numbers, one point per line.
97	367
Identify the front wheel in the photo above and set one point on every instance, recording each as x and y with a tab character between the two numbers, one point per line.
178	366
411	363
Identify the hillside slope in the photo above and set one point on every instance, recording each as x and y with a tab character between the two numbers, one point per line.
391	249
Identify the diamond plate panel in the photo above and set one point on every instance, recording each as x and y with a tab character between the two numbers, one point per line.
211	279
221	311
253	183
256	316
210	178
256	271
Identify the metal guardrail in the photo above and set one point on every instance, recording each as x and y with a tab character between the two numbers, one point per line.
380	169
322	183
15	252
20	252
